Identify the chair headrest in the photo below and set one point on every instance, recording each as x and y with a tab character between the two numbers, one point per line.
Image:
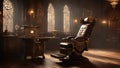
88	20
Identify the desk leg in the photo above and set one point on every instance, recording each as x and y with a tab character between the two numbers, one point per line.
43	49
38	50
28	48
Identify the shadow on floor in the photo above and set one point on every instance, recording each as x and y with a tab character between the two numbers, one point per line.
78	63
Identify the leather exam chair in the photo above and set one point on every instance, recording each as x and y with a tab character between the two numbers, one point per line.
72	47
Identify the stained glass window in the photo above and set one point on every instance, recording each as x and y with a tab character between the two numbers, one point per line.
51	18
7	16
66	19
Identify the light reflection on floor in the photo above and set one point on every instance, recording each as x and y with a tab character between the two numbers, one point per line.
111	57
95	56
96	59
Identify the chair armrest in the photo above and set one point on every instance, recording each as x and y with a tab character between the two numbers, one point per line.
68	38
81	39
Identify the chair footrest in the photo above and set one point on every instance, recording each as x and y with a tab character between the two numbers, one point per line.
59	55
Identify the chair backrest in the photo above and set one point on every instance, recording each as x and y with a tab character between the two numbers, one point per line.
86	28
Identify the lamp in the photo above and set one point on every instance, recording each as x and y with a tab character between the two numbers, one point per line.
113	2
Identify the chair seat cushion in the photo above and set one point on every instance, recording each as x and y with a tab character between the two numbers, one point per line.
66	45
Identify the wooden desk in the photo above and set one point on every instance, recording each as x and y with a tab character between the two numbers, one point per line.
45	38
41	42
11	46
35	47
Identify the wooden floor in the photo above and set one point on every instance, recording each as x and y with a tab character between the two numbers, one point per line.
94	59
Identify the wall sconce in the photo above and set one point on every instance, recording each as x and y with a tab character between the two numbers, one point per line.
113	2
75	20
31	13
104	21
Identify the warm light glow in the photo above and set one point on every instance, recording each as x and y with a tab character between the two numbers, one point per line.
32	31
113	2
104	21
95	56
103	56
75	21
31	12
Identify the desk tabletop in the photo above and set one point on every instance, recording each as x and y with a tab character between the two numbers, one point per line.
45	38
40	38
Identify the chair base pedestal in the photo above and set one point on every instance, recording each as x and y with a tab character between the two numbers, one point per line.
71	57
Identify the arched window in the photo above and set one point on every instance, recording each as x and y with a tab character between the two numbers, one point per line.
7	16
51	18
66	19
